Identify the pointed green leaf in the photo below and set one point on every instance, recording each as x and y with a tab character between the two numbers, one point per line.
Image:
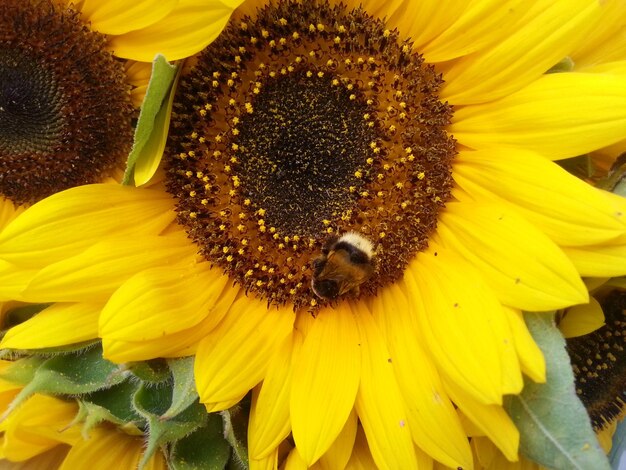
184	391
113	405
204	449
236	432
23	370
151	403
155	370
151	127
554	426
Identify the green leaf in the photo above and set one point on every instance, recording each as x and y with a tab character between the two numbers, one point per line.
554	425
204	449
153	120
236	431
184	390
23	370
71	374
155	370
151	403
113	405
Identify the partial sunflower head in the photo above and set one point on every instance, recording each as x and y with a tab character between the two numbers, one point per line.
312	120
67	94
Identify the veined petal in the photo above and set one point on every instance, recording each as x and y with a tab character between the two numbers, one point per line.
482	24
338	454
547	32
96	272
559	115
51	459
267	463
531	358
379	403
490	419
13	280
182	343
568	210
535	275
325	381
233	358
68	222
434	423
119	16
598	260
161	301
37	425
582	319
421	21
455	311
269	418
187	29
361	458
58	325
295	461
107	448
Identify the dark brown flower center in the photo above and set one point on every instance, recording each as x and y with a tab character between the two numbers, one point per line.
599	363
65	110
304	123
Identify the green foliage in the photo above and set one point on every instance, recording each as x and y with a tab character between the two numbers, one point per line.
155	370
153	119
554	426
204	449
184	390
236	431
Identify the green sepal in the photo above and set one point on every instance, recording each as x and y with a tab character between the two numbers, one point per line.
113	405
71	374
18	315
23	370
566	64
184	390
236	432
66	348
203	449
555	429
149	132
151	403
155	370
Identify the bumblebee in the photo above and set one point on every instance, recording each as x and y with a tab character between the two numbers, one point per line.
346	262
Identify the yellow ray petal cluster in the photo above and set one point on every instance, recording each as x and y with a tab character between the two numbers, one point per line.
390	381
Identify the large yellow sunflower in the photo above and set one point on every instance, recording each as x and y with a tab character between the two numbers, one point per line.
306	120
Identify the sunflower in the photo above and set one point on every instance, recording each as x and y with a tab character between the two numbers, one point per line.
307	121
72	74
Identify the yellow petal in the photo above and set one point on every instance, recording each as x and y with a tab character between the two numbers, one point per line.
38	425
268	463
50	459
559	115
105	449
379	402
8	211
598	260
118	16
361	458
545	34
421	21
162	300
523	266
95	273
182	343
13	280
568	210
456	313
325	381
490	419
58	325
233	358
68	222
187	29
434	423
582	319
531	358
482	24
295	461
338	455
269	418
